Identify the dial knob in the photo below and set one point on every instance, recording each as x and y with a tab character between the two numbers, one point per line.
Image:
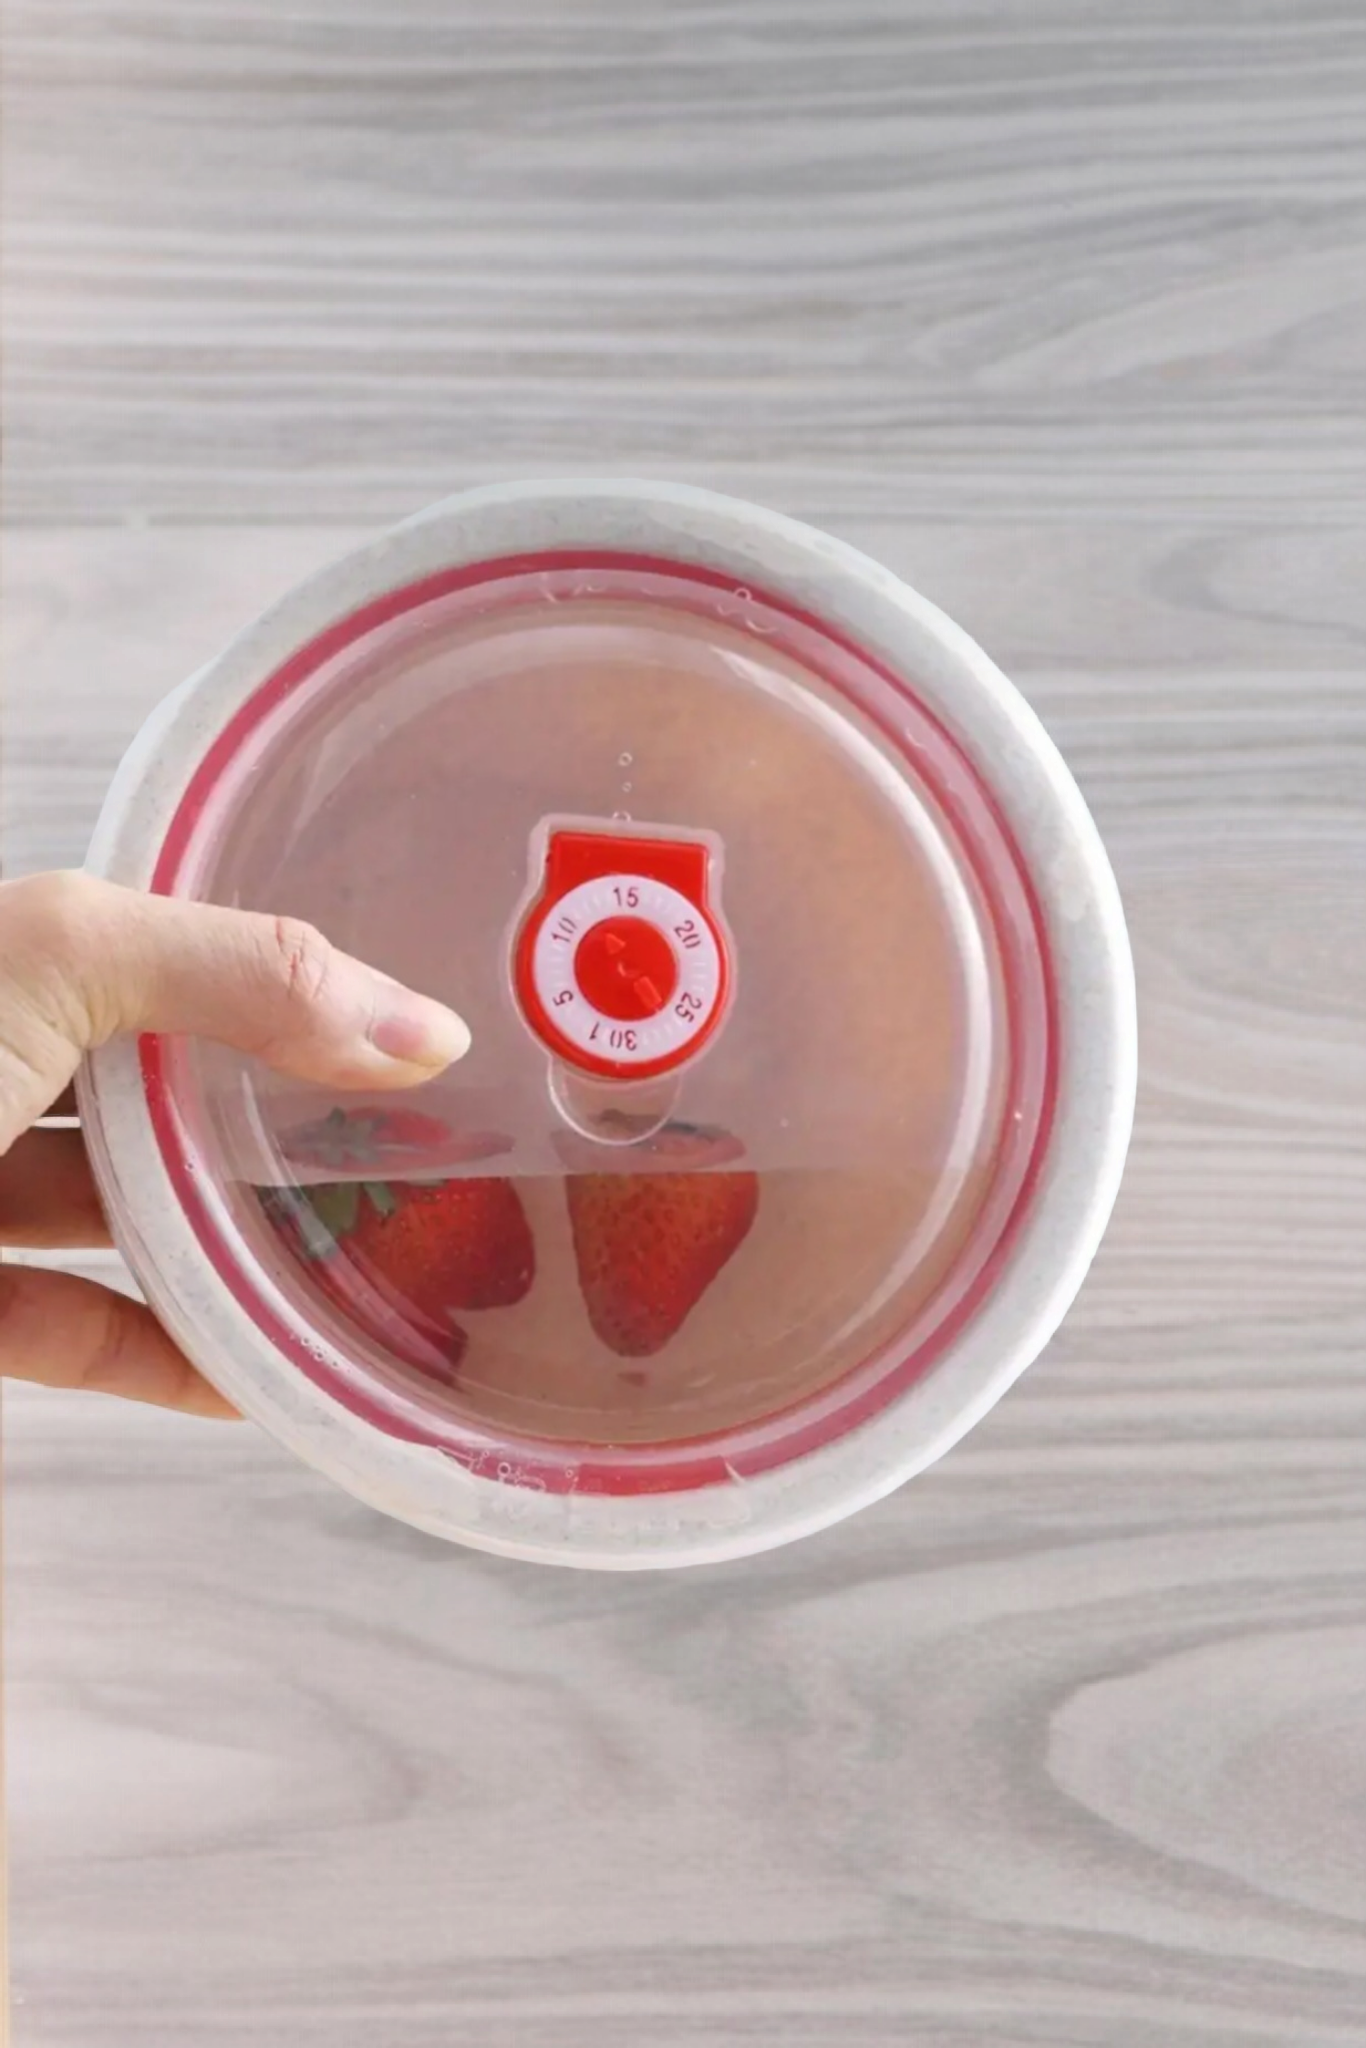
621	964
626	968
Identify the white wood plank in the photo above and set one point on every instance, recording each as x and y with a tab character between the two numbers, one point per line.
1057	309
331	260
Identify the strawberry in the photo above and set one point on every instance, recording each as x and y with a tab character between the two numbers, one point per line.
402	1257
376	1141
649	1244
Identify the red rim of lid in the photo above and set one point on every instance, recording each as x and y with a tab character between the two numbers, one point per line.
865	1390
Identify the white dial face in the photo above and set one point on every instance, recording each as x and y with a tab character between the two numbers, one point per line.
696	956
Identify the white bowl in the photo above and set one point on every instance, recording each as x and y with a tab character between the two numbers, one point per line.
1094	1019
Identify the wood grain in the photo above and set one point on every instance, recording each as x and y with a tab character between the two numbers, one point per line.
1053	308
332	259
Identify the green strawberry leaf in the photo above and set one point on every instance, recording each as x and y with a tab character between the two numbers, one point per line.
334	1211
381	1197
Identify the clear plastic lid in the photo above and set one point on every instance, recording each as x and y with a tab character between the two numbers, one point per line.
760	1004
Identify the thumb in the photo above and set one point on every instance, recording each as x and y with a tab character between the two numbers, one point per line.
81	960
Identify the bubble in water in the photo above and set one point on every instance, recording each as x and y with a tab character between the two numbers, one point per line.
625	760
622	817
626	788
745	596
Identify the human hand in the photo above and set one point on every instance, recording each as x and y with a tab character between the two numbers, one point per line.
81	961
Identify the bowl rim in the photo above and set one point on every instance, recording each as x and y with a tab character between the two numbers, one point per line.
1095	1012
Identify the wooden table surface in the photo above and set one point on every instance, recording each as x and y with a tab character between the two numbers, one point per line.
1059	306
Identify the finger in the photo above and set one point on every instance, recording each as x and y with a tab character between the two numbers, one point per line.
58	1331
47	1194
83	960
